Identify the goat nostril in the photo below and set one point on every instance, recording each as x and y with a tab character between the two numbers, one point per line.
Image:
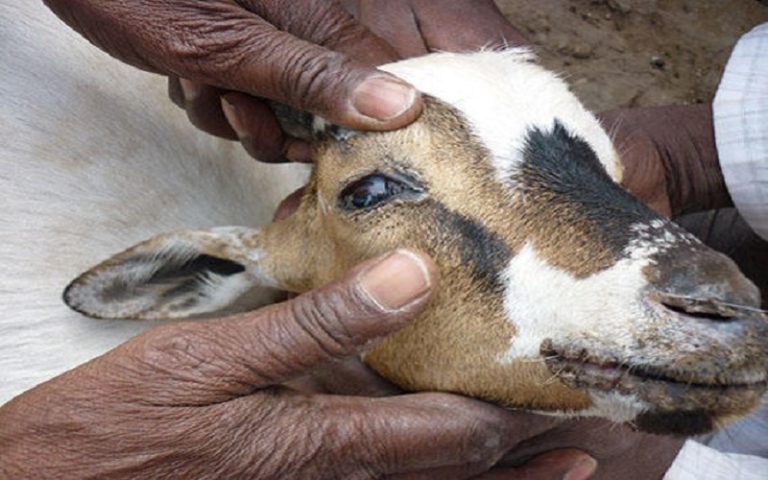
705	307
696	312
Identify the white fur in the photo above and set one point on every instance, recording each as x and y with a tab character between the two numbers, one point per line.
503	95
95	158
615	407
545	302
220	291
575	310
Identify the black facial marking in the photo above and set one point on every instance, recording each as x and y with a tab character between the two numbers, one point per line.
675	423
481	249
564	167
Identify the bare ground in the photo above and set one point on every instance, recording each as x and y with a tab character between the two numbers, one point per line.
626	53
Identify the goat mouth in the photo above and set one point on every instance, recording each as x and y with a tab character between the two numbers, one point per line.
667	390
613	376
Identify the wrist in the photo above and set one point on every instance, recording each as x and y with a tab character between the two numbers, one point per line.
670	150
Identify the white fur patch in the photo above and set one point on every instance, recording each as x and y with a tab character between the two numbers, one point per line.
547	302
503	95
219	291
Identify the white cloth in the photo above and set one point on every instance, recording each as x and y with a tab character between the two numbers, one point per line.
741	127
740	451
699	462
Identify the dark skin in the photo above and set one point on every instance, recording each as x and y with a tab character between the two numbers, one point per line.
670	157
204	400
398	29
318	59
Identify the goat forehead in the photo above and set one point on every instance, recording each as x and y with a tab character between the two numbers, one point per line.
503	94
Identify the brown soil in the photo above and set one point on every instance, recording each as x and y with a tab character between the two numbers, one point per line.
626	53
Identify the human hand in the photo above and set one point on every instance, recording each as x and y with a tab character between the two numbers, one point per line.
410	27
418	27
313	56
670	157
221	56
620	452
203	399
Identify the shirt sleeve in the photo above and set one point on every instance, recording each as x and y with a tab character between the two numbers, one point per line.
699	462
740	114
741	127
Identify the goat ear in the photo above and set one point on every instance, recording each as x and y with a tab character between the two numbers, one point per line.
176	275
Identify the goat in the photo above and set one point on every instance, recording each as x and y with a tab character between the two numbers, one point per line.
560	291
95	158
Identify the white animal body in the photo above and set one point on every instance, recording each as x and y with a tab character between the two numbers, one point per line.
93	158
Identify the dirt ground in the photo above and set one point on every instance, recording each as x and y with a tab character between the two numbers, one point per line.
625	53
630	53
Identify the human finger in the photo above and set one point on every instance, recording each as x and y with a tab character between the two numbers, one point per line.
349	376
324	66
396	22
334	28
566	464
255	126
264	50
237	116
416	27
223	358
411	435
203	106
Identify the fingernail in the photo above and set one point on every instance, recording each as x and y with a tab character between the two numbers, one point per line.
397	280
383	98
582	470
191	90
298	151
232	116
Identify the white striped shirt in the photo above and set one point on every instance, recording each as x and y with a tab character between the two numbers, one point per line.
740	451
741	127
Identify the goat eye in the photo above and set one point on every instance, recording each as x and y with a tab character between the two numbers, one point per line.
370	191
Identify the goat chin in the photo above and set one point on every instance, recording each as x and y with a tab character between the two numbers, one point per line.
95	158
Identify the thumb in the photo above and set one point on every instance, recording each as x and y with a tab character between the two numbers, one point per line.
312	78
374	299
565	464
320	60
312	55
223	358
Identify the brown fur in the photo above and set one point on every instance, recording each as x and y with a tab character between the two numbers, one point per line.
472	224
465	331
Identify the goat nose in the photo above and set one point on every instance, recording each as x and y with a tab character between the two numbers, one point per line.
703	284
